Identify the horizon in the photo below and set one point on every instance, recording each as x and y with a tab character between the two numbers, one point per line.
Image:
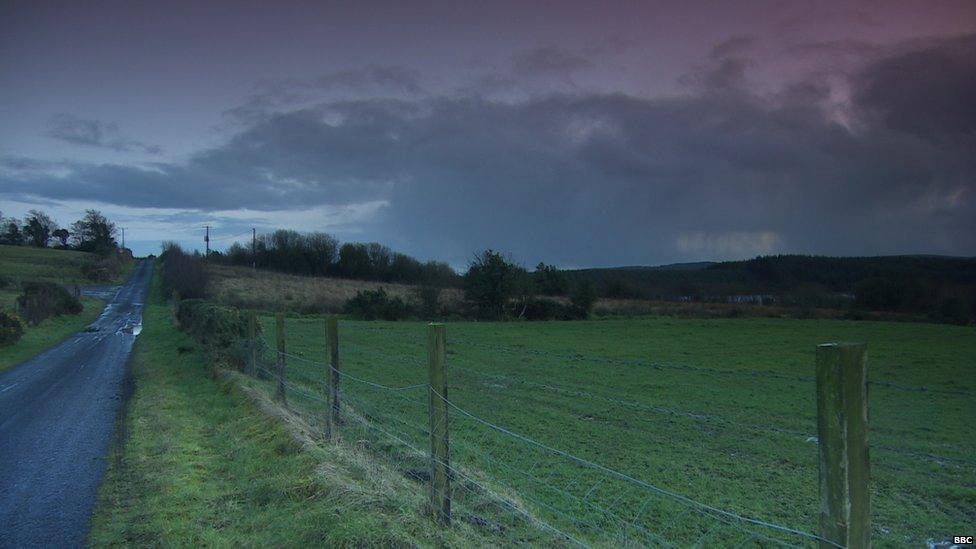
650	135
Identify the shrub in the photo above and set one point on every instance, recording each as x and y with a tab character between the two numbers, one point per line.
217	326
429	298
4	281
584	297
182	272
11	328
42	300
376	305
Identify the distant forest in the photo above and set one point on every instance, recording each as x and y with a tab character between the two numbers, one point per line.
938	288
934	288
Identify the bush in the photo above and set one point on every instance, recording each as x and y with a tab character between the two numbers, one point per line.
4	281
584	297
42	300
182	272
429	298
11	328
376	305
217	326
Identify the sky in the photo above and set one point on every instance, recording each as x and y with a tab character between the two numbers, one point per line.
575	133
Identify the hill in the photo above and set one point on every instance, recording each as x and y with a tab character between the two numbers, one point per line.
939	287
19	263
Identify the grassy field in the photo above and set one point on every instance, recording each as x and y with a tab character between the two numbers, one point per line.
272	291
718	411
19	263
22	263
203	464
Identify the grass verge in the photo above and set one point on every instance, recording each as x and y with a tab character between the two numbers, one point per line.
209	463
46	334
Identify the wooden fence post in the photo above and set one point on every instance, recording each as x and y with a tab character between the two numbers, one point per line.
842	430
332	335
440	479
280	374
252	343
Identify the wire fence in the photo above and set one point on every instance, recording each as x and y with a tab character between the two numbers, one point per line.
510	481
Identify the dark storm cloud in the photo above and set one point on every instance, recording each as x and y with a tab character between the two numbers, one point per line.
834	48
733	46
725	68
94	133
603	179
929	91
373	79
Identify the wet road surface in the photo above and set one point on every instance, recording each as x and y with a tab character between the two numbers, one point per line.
57	422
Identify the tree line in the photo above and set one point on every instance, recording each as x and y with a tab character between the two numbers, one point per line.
941	289
92	233
934	288
320	254
495	287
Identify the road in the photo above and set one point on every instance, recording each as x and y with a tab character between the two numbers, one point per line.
57	422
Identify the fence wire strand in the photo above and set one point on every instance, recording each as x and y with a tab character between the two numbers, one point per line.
505	481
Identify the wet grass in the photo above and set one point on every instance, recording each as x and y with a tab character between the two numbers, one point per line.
719	411
203	464
48	333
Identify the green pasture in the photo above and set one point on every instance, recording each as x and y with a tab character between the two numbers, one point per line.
674	431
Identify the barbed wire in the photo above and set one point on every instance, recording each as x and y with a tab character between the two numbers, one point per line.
708	418
696	416
351	404
623	476
569	493
347	375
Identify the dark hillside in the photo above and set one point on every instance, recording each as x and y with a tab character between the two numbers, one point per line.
942	288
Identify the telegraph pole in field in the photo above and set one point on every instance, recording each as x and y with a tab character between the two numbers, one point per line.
254	248
206	239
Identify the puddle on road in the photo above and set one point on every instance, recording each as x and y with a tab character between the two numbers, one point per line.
133	329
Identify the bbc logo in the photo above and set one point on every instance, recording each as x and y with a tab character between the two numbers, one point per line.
962	540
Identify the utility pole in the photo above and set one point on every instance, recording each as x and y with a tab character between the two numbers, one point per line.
206	239
254	248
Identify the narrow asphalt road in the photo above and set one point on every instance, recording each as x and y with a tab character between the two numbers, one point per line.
57	421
